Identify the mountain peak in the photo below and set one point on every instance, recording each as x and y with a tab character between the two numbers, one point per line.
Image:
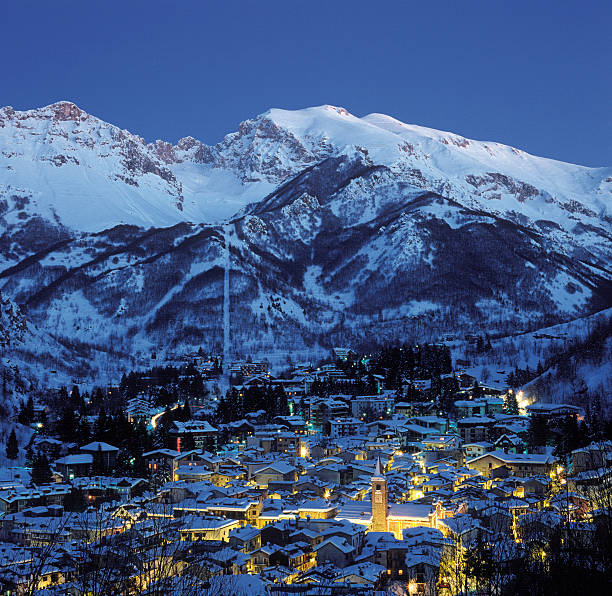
65	110
340	111
325	109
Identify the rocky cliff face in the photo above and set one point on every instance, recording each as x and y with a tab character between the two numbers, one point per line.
340	229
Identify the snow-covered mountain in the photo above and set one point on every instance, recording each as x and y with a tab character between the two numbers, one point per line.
331	227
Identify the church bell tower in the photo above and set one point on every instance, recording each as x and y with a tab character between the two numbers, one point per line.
379	499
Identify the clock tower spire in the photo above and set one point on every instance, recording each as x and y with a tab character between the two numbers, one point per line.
379	499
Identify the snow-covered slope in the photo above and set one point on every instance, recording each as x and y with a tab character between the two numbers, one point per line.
93	175
63	164
342	229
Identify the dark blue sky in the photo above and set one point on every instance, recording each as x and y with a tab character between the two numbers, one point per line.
536	75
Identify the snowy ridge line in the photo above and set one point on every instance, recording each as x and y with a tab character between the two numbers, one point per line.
93	175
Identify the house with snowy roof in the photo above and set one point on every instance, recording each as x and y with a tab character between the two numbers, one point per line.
552	411
362	574
317	509
472	450
198	434
596	455
510	443
519	464
475	428
335	550
107	453
246	539
196	527
470	407
276	472
74	465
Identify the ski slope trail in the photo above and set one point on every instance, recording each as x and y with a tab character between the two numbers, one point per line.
226	299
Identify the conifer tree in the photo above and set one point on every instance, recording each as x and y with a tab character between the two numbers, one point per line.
83	432
99	465
12	446
77	398
67	425
97	397
41	471
100	426
538	432
511	403
26	412
186	411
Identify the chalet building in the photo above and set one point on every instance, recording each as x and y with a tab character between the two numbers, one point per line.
434	423
262	441
326	409
192	474
52	448
160	461
276	441
75	465
196	434
345	427
243	510
274	473
107	452
381	405
293	388
473	450
362	575
552	411
17	497
330	371
442	442
194	528
465	380
413	408
238	430
593	456
249	369
495	405
470	407
509	443
137	409
246	539
343	353
197	457
287	442
294	424
404	408
294	556
41	413
475	428
317	509
335	550
100	487
229	473
279	532
519	464
422	384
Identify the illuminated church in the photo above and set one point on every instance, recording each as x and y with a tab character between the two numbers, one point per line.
380	516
